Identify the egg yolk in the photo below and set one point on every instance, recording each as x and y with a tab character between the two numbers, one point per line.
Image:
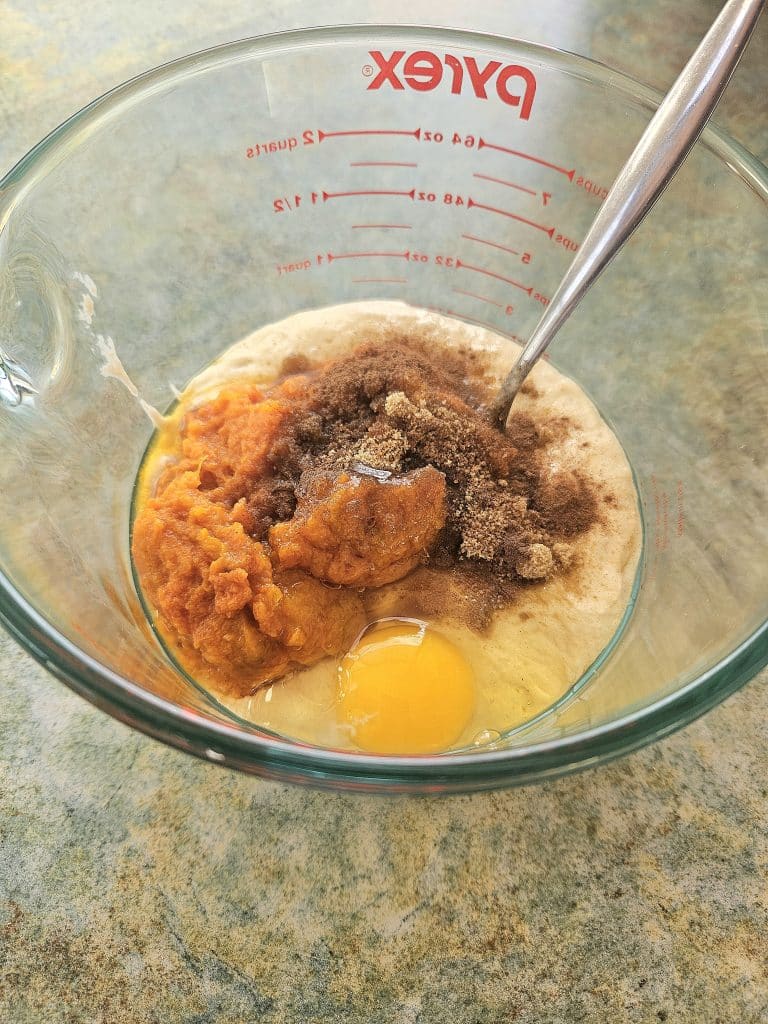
405	689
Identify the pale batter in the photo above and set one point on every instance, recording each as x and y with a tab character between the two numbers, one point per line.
534	650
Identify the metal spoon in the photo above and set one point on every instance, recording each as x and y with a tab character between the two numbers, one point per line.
662	148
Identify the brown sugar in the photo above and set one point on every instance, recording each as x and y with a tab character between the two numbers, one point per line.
373	481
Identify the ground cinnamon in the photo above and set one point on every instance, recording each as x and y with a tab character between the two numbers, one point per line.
392	409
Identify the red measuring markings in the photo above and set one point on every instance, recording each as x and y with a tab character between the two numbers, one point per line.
291	268
368	192
322	136
668	521
661	506
482	144
490	273
512	216
360	255
599	192
283	203
525	256
481	298
382	163
509	184
403	227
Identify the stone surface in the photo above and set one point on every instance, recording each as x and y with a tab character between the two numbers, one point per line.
137	885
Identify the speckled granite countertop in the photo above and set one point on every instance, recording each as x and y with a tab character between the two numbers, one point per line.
137	885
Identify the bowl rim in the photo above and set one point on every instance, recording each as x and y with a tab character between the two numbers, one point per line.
224	743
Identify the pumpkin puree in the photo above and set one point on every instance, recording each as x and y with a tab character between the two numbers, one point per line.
241	611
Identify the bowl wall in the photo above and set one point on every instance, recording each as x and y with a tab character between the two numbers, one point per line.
240	185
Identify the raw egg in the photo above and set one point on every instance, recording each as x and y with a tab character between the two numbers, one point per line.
405	689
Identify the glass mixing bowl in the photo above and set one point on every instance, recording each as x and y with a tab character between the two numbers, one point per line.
233	187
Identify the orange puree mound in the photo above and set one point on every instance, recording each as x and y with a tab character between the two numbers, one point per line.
230	438
361	531
238	613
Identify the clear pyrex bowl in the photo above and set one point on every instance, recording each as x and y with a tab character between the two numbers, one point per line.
233	187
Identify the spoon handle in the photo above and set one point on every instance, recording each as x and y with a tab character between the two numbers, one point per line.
664	145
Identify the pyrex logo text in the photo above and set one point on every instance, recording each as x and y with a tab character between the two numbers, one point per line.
423	71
